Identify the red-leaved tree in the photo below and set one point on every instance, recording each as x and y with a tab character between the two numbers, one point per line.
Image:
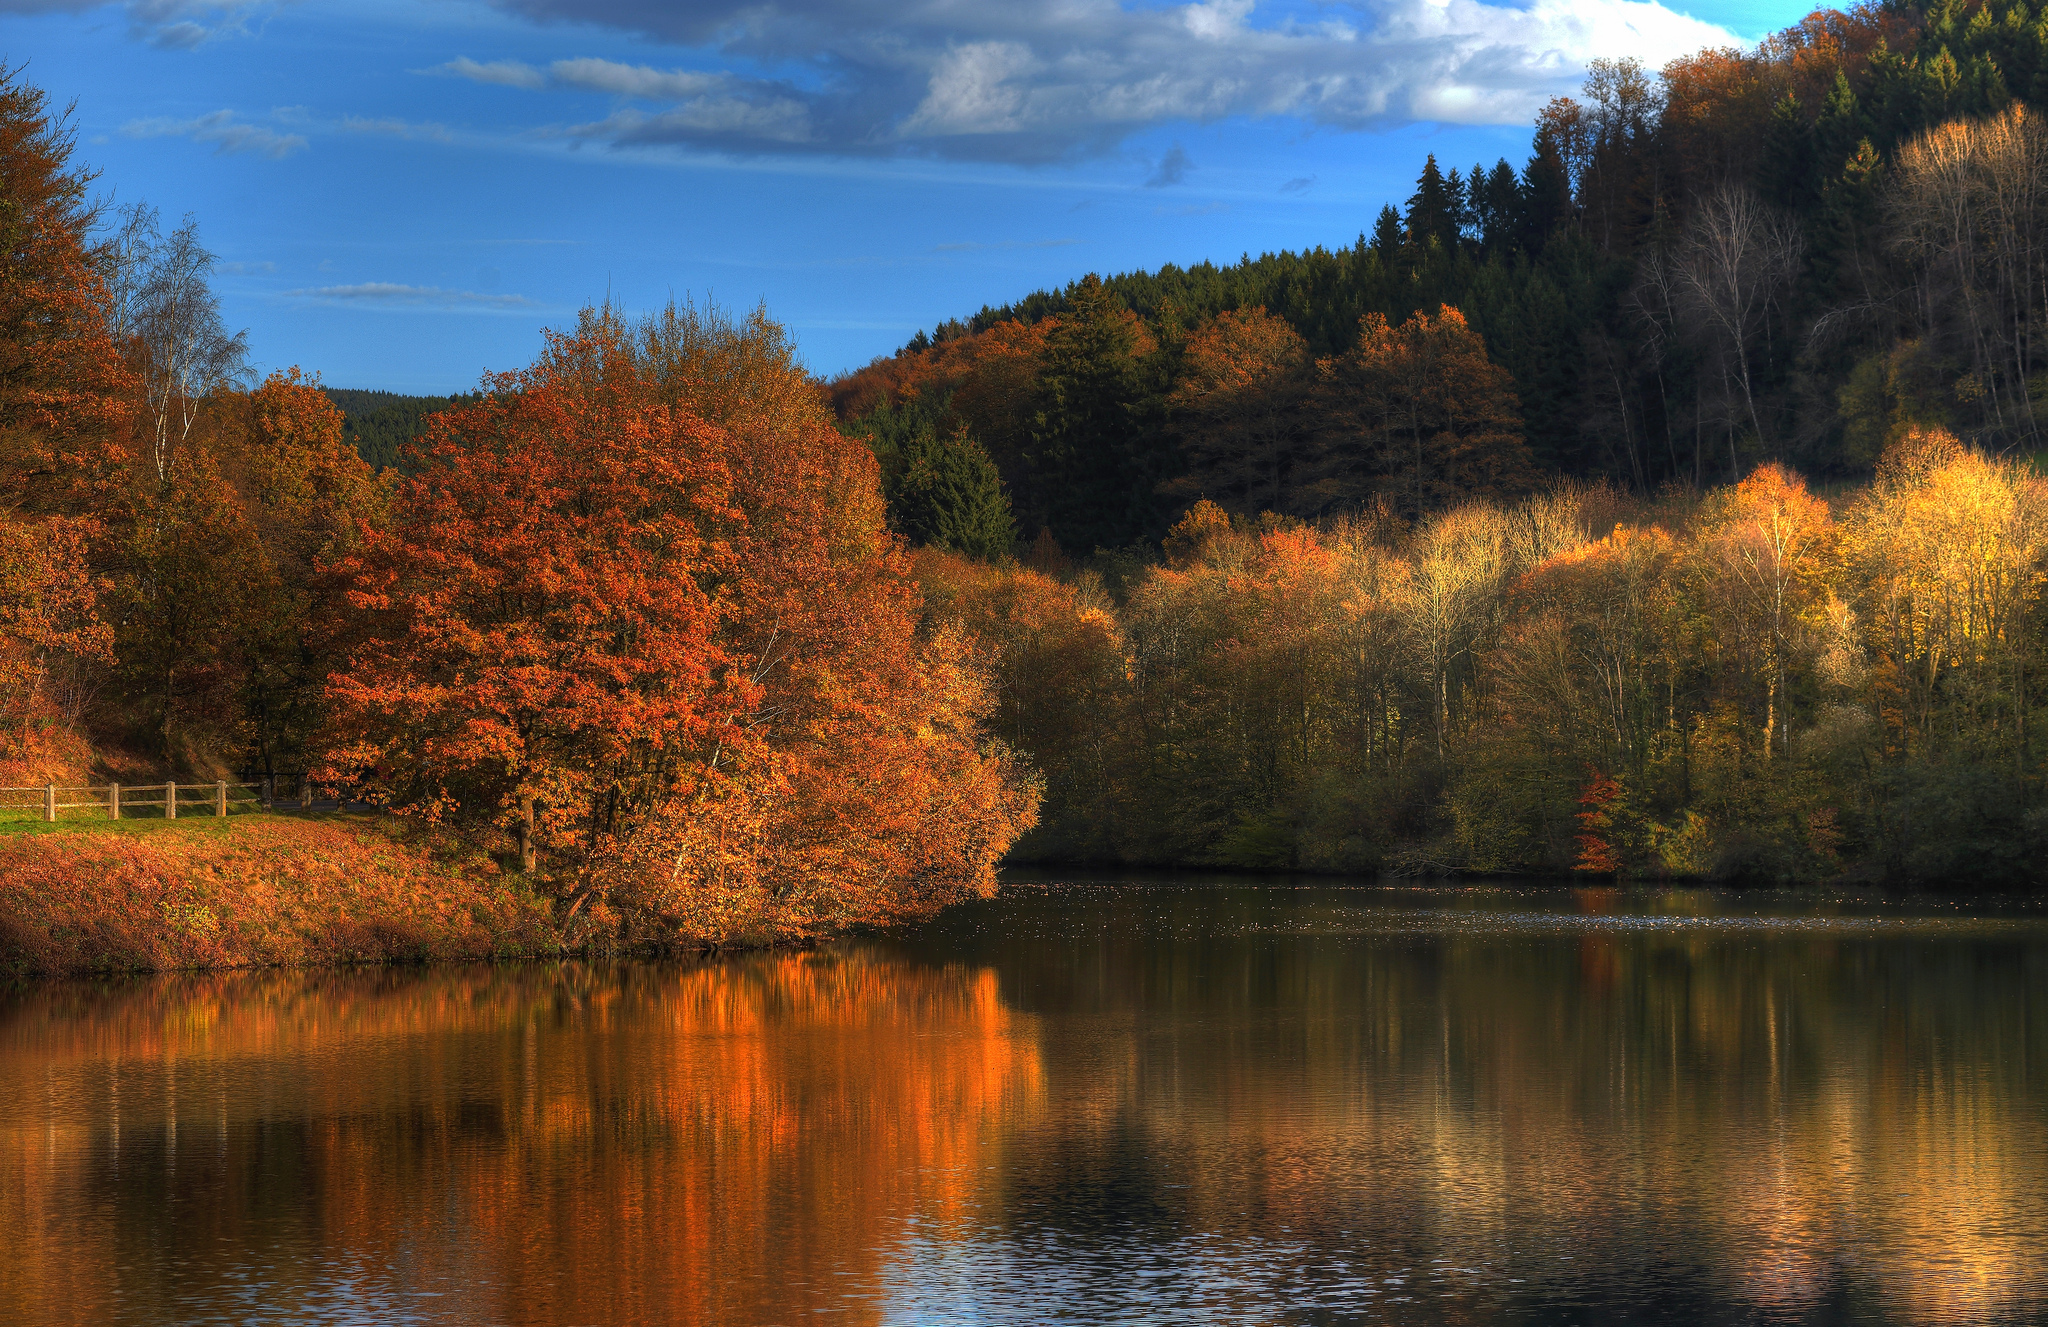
539	629
639	606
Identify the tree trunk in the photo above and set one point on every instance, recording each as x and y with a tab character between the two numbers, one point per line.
527	856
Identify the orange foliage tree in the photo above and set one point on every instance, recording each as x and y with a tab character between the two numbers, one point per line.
1418	412
639	606
539	624
1238	410
308	496
49	618
64	393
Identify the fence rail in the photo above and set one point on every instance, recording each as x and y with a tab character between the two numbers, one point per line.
169	798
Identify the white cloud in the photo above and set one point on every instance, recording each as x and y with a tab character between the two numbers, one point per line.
410	130
391	294
1040	80
224	131
625	80
505	73
178	25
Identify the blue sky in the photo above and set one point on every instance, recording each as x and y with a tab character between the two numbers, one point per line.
402	193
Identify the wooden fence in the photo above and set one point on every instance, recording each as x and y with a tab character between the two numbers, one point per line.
167	798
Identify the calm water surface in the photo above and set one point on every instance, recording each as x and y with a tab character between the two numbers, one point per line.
1103	1101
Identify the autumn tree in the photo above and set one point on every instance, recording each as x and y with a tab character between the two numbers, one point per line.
310	498
1970	208
537	641
1238	413
1950	549
1763	553
64	392
50	625
1056	660
1417	412
639	606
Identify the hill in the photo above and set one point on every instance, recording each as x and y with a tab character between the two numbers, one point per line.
1791	253
379	424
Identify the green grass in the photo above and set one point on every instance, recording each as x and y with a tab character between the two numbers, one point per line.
84	820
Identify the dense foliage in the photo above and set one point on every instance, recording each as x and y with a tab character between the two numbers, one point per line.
1480	544
1746	684
379	425
1789	254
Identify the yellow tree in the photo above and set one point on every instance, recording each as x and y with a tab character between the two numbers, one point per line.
1763	551
1947	548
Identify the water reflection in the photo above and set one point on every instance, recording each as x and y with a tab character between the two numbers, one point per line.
1139	1103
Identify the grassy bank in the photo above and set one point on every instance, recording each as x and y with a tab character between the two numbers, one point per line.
253	890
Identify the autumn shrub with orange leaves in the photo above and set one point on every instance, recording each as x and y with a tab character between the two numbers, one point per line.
637	607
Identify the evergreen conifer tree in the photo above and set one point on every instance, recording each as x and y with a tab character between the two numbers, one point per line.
1840	126
1093	471
1499	208
950	496
1433	210
1787	170
1386	234
1546	192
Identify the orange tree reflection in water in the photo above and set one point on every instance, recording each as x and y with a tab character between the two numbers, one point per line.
724	1141
1233	1093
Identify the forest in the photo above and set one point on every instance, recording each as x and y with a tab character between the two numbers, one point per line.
1666	507
380	424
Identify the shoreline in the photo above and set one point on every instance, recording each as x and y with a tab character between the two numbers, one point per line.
350	889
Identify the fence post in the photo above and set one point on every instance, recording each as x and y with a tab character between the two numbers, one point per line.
170	801
269	790
113	801
50	802
220	798
305	792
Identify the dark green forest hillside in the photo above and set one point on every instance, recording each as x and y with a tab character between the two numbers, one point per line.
1790	253
379	424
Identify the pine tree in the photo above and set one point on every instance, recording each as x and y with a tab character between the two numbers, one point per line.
1433	210
950	496
1942	88
1787	171
1386	234
1092	465
1986	93
1840	126
1500	208
1546	193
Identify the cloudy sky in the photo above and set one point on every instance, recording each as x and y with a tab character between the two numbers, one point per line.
403	192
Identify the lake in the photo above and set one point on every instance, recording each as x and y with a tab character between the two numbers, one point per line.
1094	1098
